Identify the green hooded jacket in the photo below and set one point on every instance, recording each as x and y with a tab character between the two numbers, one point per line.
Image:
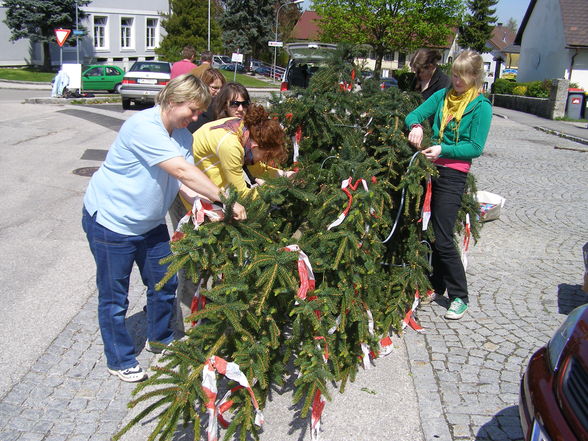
465	140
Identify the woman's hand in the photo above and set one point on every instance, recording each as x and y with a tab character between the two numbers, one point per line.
239	212
432	152
287	174
415	137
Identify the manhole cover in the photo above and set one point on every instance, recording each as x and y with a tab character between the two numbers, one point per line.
85	171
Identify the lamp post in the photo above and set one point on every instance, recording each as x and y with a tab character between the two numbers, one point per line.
276	39
208	24
77	37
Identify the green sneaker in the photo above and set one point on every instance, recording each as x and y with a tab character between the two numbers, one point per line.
456	310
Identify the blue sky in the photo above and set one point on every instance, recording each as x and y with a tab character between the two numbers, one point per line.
505	9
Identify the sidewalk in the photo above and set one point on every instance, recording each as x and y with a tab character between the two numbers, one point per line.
574	131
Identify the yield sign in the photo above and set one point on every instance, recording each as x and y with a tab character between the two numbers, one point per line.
62	35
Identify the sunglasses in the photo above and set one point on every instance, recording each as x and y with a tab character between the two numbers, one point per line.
236	104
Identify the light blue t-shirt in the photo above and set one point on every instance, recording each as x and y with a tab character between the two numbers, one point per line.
130	192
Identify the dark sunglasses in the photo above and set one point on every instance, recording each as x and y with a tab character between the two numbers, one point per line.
236	104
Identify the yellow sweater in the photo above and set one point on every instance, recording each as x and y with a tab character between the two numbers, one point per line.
218	153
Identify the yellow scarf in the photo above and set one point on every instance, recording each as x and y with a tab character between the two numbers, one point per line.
454	106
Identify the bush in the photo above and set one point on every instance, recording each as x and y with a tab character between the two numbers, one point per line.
505	86
405	78
538	89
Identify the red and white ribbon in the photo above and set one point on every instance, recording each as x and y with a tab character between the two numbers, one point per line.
426	215
233	372
307	281
296	143
318	404
344	184
409	316
201	210
466	242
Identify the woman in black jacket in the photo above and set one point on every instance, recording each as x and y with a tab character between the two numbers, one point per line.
429	78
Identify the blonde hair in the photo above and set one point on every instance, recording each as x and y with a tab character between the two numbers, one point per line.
182	89
469	66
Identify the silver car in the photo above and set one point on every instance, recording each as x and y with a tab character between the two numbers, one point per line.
143	81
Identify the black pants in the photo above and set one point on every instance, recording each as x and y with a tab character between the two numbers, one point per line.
448	272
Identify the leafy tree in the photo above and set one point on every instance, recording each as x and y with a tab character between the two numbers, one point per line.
477	27
187	24
512	24
248	25
37	20
388	25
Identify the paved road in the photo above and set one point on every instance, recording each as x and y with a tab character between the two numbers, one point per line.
456	381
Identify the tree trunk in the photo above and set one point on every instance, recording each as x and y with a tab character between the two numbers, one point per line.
46	57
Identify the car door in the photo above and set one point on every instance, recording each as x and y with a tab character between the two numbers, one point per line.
113	77
93	78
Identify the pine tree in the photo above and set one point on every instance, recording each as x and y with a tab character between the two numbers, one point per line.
187	24
478	25
256	315
248	25
37	20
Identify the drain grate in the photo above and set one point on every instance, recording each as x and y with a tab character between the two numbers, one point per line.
85	171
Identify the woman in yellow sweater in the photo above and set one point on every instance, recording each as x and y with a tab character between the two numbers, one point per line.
222	149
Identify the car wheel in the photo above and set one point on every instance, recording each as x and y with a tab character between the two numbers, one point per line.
126	103
117	88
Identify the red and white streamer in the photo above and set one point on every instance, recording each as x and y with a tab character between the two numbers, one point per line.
318	405
344	184
409	317
307	281
465	246
233	372
201	210
426	215
296	144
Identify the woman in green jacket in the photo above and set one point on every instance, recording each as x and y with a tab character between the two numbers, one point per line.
461	124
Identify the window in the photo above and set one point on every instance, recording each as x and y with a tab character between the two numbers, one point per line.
100	32
487	67
95	72
126	33
389	56
112	70
151	33
401	59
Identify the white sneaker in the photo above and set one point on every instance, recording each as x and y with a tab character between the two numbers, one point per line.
130	375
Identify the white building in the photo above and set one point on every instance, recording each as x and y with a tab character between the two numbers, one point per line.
116	33
554	41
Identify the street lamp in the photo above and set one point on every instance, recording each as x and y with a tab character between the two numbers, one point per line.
77	37
275	47
208	24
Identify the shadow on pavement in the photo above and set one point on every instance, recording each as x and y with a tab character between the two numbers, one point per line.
570	297
504	426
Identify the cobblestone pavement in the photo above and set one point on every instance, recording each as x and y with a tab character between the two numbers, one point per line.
524	276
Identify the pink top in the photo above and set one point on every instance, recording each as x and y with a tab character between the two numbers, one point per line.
456	164
181	67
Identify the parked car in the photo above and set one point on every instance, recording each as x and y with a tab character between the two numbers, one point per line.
388	82
255	64
143	82
218	61
102	77
231	66
553	402
305	60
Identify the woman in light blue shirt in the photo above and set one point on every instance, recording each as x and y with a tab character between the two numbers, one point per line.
124	216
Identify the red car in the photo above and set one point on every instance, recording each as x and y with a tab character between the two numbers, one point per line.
553	402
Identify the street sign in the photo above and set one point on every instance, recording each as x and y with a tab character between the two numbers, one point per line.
236	57
61	35
78	32
275	43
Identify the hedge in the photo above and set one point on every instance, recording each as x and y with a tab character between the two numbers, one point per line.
537	89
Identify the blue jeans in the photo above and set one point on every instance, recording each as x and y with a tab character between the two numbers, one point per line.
114	255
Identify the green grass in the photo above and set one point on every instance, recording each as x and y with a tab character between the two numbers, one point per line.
31	74
26	74
567	119
248	80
